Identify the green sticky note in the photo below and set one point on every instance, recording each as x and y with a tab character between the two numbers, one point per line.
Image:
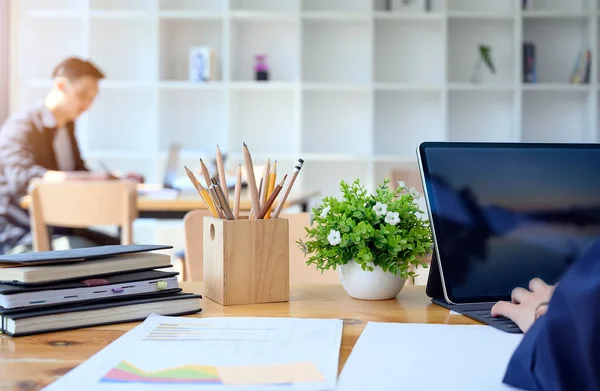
160	285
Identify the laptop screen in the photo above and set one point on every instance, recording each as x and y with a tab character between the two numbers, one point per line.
503	214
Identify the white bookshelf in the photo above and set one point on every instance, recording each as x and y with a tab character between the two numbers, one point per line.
354	87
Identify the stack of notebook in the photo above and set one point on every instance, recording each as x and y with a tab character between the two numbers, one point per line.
61	290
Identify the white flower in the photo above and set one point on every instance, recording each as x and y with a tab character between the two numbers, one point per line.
392	218
334	237
401	184
380	209
413	192
325	211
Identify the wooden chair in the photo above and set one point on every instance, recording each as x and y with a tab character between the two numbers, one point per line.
299	271
81	204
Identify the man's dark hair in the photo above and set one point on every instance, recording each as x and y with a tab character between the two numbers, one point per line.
74	68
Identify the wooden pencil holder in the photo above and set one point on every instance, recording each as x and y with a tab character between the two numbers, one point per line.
246	261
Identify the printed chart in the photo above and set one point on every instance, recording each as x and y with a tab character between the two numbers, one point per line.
125	372
185	354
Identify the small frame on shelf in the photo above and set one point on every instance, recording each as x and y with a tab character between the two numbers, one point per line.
124	49
481	116
180	41
336	52
336	122
405	119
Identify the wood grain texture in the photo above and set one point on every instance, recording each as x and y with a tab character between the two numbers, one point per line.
187	203
31	363
246	261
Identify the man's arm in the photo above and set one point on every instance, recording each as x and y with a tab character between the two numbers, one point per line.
17	154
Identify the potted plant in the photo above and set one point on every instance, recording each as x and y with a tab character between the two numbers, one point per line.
374	239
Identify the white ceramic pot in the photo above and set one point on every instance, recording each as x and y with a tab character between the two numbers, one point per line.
367	285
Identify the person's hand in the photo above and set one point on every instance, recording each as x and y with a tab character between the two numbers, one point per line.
134	176
526	305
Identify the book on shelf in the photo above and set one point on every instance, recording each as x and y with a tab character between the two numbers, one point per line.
581	71
529	63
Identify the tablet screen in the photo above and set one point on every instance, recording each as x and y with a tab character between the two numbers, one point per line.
503	214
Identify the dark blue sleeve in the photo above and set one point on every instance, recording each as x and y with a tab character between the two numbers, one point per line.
561	351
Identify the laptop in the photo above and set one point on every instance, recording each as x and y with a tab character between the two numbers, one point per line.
504	213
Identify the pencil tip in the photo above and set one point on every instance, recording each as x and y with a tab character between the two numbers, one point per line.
301	160
244	143
200	159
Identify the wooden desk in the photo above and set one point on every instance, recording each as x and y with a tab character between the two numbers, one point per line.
176	208
30	363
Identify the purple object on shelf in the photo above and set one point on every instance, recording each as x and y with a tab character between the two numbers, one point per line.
261	68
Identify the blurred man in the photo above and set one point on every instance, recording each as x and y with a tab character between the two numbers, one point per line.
40	142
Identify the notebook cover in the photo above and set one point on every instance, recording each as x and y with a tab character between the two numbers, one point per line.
8	289
72	304
178	296
75	254
69	307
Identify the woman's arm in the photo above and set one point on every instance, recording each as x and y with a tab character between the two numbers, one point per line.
561	348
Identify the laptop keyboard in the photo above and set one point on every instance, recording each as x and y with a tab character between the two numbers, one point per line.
501	322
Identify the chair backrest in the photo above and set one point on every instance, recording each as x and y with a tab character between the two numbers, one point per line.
299	271
81	204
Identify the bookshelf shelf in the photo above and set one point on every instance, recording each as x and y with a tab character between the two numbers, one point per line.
353	88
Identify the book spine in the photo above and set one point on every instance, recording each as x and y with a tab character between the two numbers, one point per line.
529	70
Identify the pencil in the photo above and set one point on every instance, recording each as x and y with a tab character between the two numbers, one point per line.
272	179
236	196
215	199
205	173
251	179
223	204
202	191
269	202
265	183
221	173
289	185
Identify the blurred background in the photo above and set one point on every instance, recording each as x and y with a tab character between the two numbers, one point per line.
350	86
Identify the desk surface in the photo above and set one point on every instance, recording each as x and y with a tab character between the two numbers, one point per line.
30	363
177	207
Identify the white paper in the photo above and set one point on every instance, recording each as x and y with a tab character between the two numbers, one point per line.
163	342
455	313
396	356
